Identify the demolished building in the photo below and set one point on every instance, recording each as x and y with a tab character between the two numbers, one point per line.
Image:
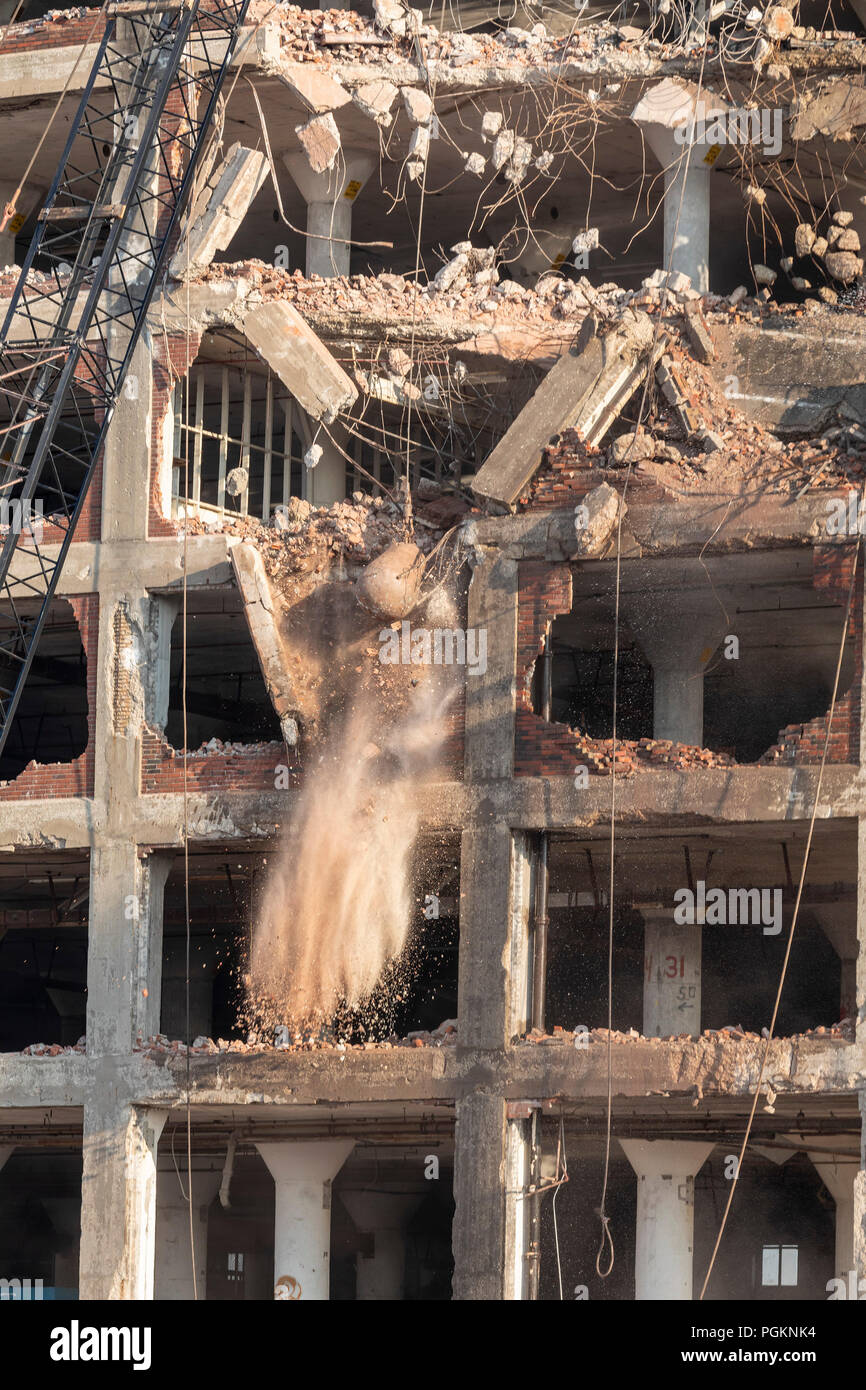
575	308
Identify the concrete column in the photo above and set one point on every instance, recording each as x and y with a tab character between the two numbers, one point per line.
839	1177
303	1171
479	1192
517	1176
173	1263
677	645
124	957
118	1200
664	1242
490	698
838	921
384	1216
326	483
329	197
666	114
672	976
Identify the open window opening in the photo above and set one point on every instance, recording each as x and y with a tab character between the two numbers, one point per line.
701	921
238	437
724	655
226	697
781	1234
40	1222
43	949
390	1208
50	724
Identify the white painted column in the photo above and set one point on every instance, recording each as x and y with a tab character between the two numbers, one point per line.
330	197
839	1177
664	113
173	1257
384	1216
664	1239
303	1171
672	976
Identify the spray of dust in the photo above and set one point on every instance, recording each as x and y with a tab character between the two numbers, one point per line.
336	911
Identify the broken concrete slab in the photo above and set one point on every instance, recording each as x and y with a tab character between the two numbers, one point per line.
419	106
300	359
699	335
220	210
375	99
834	111
585	391
261	610
316	89
320	141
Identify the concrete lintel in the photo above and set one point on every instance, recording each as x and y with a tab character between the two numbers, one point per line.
300	359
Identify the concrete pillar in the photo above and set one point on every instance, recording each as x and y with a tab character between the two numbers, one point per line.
478	1238
838	1177
664	1242
672	976
677	644
384	1216
664	114
124	957
838	921
303	1171
518	1157
329	197
118	1200
326	483
173	1263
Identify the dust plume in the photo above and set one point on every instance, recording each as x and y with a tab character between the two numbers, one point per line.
336	911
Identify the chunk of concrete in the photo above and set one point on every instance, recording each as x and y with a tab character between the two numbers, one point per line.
375	99
597	519
262	611
832	110
320	141
390	585
300	359
418	104
220	210
699	335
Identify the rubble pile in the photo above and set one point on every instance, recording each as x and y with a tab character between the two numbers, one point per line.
597	754
842	1031
445	1035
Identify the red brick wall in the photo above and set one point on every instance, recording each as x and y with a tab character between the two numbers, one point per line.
570	469
231	770
804	743
544	590
181	351
74	778
44	33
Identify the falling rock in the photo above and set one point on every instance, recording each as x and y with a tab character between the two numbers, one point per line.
595	521
475	164
819	246
843	266
843	219
375	99
320	141
778	23
764	275
847	240
419	106
491	124
503	148
389	586
800	284
446	276
804	239
237	481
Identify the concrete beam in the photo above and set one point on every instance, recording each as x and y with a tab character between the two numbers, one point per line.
262	612
300	359
585	391
220	209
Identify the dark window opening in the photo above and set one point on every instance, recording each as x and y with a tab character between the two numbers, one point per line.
40	1224
50	724
43	951
226	697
